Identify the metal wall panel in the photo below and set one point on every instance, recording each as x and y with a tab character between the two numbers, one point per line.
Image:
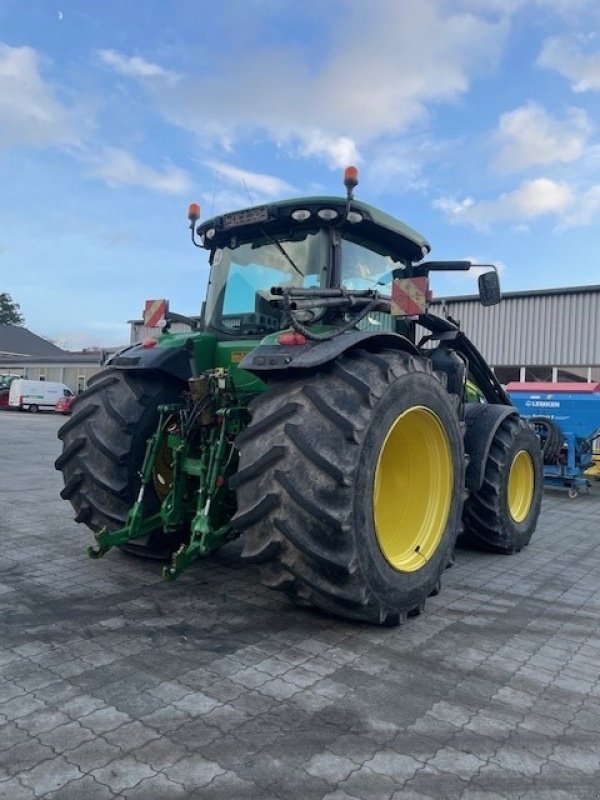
533	329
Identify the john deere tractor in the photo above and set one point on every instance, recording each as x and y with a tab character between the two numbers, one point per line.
317	409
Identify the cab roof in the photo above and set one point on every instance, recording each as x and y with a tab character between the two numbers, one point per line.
377	230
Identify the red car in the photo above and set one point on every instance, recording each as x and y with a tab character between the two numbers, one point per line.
63	406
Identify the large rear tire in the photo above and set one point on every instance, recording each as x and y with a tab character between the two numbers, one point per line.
503	514
350	485
104	443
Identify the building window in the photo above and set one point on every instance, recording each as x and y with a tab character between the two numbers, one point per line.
507	374
538	374
572	374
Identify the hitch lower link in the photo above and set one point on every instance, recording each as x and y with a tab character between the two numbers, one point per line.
198	488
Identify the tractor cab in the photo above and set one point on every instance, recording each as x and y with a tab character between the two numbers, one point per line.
327	261
306	246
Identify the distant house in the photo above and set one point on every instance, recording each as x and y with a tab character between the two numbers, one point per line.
17	341
24	353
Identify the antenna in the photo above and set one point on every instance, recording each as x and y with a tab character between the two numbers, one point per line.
247	191
214	194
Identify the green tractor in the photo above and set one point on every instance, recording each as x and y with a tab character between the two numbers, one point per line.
317	409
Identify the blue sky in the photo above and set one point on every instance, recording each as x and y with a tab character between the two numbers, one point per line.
477	122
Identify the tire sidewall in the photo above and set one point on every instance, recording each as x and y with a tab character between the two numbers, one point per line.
403	590
520	532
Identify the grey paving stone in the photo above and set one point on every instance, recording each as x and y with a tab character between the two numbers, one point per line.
163	752
165	719
104	719
456	762
331	768
86	788
196	703
586	761
438	785
49	776
158	787
368	785
66	737
123	773
193	772
21	706
228	786
93	754
24	755
13	789
395	765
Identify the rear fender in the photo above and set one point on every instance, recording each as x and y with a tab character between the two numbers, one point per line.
277	358
173	361
482	422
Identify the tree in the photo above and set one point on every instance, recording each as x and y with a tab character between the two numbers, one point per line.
10	312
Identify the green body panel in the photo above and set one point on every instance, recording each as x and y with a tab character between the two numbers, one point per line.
229	354
209	353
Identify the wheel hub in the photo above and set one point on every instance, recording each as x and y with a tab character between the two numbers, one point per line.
521	484
412	489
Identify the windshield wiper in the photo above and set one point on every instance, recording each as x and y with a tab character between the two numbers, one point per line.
282	250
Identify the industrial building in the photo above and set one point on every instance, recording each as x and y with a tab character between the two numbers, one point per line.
543	335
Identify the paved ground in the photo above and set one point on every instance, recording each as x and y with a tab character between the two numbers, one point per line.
115	685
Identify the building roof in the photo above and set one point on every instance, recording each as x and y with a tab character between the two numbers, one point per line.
559	290
18	341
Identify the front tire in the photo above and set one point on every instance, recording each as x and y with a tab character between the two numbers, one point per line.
350	485
502	515
104	443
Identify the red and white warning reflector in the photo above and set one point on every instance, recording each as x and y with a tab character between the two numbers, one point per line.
155	312
410	296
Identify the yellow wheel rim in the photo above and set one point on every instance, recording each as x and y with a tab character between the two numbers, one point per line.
521	483
412	490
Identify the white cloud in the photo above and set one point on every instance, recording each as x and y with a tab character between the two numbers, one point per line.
585	209
267	185
530	136
382	72
30	114
337	151
532	199
135	67
567	56
120	168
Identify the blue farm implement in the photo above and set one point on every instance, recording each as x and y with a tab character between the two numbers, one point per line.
566	416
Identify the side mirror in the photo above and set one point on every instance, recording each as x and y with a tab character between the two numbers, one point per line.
489	288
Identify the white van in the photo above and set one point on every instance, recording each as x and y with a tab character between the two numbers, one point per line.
36	395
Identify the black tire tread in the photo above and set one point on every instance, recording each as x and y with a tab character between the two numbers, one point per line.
104	442
484	514
298	530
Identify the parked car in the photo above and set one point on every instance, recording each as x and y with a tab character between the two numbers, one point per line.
3	398
64	404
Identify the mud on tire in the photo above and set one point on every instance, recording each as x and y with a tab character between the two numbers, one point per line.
305	486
